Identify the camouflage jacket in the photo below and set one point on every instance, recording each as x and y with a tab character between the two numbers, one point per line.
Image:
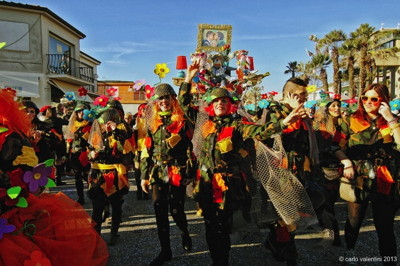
167	151
220	178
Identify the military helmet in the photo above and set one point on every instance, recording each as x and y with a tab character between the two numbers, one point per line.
220	93
163	89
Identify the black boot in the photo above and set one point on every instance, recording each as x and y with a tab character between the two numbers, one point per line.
186	241
114	233
281	250
165	255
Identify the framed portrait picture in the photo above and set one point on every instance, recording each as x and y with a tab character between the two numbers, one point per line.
213	37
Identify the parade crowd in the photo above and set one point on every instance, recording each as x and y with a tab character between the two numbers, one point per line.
177	140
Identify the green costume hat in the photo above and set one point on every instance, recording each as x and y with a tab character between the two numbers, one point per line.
219	93
163	89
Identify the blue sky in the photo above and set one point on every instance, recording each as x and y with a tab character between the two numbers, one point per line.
131	37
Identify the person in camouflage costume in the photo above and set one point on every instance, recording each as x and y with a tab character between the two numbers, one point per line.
165	166
220	186
79	130
108	179
373	134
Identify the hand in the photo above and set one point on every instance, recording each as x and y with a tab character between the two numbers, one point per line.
292	99
192	70
348	172
145	185
295	115
385	111
110	126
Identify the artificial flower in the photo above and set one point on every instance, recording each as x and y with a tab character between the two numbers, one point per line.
149	90
37	258
14	196
111	91
272	93
161	70
5	228
82	91
250	107
264	96
117	98
70	96
395	104
352	100
263	103
139	84
344	104
89	115
38	177
310	104
101	100
311	88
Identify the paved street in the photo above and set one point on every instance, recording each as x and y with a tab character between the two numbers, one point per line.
139	244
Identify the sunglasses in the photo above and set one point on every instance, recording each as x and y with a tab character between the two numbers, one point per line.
31	112
372	99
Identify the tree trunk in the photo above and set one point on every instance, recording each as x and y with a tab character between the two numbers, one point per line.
350	69
324	79
336	74
363	74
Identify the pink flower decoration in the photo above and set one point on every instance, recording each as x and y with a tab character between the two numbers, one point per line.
37	177
102	100
149	90
82	91
139	84
111	91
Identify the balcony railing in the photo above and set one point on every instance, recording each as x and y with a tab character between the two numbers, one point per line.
64	64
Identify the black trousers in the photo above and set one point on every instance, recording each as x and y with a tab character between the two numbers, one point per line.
164	196
218	226
383	211
99	201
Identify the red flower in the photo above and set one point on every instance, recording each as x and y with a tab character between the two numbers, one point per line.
102	100
111	91
82	91
149	90
264	96
117	98
273	93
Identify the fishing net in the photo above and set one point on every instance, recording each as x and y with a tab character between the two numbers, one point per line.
287	194
95	136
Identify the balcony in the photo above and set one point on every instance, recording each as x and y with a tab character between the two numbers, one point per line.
70	70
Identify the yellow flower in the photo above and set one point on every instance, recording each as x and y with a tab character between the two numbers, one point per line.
161	70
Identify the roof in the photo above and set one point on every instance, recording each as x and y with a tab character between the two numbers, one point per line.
44	10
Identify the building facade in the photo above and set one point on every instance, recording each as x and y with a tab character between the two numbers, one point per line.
42	59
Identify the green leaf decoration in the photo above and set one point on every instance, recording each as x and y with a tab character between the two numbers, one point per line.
50	183
3	129
13	192
49	162
22	203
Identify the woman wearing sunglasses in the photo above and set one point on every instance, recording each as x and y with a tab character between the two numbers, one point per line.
373	134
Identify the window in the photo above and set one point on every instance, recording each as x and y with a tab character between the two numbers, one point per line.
16	35
57	46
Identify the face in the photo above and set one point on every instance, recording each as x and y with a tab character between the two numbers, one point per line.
371	101
164	103
30	113
301	93
221	106
334	109
128	119
79	114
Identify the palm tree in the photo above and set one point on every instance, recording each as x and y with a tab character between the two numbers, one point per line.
362	39
291	68
348	50
331	43
321	62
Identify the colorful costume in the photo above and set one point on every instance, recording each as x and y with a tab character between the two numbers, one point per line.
38	228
